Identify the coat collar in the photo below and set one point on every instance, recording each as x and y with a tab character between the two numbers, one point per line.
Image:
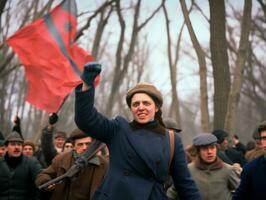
152	126
200	164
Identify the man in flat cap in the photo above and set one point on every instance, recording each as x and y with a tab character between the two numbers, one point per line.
253	176
86	181
18	172
214	178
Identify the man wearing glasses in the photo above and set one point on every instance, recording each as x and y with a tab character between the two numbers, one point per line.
253	177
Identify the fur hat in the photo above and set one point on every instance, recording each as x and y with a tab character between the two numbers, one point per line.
77	134
220	134
13	137
148	89
204	139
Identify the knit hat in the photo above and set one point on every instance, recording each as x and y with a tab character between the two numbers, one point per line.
220	134
148	89
13	137
204	139
29	143
170	123
77	134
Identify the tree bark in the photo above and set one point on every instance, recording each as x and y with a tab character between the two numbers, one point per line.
175	105
219	58
205	119
230	120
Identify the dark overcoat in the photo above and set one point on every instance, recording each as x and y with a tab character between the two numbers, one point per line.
139	158
253	181
17	183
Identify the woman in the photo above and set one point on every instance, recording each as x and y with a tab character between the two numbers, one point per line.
139	150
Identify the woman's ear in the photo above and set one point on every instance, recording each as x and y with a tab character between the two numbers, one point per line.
156	108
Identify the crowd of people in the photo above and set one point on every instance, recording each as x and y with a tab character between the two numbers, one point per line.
144	159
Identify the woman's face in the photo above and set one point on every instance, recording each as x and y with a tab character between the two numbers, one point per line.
143	108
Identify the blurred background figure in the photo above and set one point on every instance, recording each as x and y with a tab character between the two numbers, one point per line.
239	146
227	153
52	140
258	150
2	145
68	145
28	148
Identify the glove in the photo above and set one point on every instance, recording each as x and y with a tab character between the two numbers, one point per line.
91	70
17	120
53	118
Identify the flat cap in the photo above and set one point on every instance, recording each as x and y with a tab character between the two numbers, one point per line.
204	139
77	134
148	89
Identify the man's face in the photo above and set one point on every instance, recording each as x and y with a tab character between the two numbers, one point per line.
143	108
263	139
81	145
59	142
28	150
208	153
2	151
14	149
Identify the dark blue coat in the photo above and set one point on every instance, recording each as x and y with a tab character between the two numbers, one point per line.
139	158
253	181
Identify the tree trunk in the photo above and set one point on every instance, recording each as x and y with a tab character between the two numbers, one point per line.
175	105
219	57
205	119
230	120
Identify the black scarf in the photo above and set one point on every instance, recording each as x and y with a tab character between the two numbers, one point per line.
12	162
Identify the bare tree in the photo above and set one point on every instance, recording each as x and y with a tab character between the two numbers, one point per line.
205	121
219	58
173	60
122	62
230	120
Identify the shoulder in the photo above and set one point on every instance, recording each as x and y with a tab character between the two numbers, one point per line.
191	165
63	156
103	160
257	161
121	120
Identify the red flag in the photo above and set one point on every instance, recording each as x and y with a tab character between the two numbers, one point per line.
52	61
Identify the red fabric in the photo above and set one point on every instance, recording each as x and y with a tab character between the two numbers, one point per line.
49	73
